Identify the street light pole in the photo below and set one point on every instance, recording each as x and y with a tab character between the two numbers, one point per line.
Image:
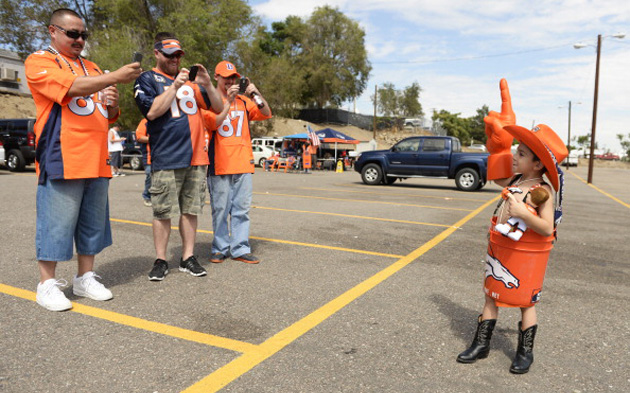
594	125
591	156
569	137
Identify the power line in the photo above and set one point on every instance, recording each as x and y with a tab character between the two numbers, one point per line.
472	57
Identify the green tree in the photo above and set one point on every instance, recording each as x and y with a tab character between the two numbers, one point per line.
387	101
335	58
409	101
624	140
477	126
122	27
453	124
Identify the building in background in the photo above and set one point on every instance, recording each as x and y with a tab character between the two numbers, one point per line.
12	76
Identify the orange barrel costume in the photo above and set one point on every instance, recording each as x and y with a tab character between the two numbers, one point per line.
515	270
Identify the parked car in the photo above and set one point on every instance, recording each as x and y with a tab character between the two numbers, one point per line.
572	159
18	139
132	151
424	156
273	143
1	152
262	153
413	122
607	156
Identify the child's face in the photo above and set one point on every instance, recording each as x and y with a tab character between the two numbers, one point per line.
523	161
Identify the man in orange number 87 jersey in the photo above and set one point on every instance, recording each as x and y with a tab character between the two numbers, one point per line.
232	164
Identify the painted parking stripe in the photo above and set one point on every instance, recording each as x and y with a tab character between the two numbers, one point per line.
239	366
396	194
614	198
138	323
312	245
363	201
353	216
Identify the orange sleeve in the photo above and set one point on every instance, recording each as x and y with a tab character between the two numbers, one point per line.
209	119
141	130
46	76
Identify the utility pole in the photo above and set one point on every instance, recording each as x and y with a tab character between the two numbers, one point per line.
589	179
569	137
375	100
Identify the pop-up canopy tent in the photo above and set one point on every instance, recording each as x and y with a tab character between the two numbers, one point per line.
327	135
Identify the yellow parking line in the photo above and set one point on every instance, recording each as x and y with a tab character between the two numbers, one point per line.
352	216
138	323
239	366
614	198
312	245
396	194
363	201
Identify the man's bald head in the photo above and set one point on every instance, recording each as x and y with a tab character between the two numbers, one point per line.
60	14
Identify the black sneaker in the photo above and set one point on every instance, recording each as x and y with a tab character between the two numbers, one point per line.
191	266
159	271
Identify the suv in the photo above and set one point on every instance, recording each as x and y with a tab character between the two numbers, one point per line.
18	139
272	143
132	150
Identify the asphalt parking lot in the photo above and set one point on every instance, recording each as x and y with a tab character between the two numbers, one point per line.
360	289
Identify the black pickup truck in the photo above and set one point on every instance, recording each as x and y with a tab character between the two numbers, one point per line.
424	156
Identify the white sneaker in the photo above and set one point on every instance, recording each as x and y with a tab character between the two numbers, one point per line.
87	286
50	296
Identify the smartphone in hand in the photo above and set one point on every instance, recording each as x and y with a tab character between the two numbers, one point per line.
137	57
242	85
192	74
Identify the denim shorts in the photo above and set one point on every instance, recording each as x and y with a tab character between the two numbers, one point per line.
72	211
178	191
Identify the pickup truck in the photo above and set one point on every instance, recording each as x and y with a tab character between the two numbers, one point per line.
424	156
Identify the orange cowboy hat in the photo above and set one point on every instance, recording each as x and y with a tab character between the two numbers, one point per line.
545	144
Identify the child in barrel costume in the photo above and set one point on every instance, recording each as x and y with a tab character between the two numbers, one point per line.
515	270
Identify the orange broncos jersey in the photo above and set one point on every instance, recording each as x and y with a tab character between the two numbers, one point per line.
71	132
230	149
141	132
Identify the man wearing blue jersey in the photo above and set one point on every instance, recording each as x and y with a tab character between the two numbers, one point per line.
179	158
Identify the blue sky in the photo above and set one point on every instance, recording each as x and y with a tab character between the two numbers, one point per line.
458	50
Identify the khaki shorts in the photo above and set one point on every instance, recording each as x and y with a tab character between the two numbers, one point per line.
178	191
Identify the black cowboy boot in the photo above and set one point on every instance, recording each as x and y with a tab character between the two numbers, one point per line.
480	346
525	351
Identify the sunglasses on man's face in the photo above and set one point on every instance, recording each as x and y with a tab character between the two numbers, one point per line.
175	55
73	33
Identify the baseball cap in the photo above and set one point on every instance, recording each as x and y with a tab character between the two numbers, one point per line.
226	69
168	46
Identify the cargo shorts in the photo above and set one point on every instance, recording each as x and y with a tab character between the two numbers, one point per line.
178	191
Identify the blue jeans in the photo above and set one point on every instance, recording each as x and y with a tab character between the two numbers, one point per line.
72	210
147	182
230	196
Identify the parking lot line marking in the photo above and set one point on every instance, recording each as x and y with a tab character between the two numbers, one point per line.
380	254
614	198
397	194
363	201
239	366
138	323
352	216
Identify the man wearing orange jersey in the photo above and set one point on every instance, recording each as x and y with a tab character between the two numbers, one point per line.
72	159
170	102
231	165
142	137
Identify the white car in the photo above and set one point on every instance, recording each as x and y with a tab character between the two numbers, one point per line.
261	153
1	153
